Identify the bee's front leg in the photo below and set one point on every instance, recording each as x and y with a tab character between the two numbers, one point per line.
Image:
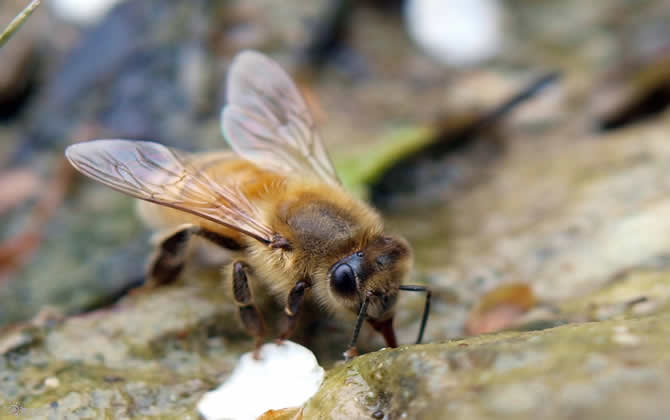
294	303
251	317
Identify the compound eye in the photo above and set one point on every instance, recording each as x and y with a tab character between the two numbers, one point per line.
343	279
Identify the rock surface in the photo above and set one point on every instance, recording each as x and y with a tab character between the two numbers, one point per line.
613	370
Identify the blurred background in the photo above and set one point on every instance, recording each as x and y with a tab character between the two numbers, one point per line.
519	145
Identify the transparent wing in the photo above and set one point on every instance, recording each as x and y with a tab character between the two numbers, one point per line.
267	122
161	175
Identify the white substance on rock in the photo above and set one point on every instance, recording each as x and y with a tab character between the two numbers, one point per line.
84	12
286	376
456	32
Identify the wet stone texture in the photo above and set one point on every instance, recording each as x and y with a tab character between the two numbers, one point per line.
613	370
109	363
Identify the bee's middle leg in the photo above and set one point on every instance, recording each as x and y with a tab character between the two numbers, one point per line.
293	308
249	313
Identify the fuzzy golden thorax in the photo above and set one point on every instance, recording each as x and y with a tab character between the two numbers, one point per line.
327	228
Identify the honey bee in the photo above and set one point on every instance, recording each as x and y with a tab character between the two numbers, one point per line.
274	202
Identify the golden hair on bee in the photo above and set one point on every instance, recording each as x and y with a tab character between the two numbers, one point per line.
274	202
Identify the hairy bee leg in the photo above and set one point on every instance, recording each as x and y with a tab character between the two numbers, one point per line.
168	260
296	298
251	317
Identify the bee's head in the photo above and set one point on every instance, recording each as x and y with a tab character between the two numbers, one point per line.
374	272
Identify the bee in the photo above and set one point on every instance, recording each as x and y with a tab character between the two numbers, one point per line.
274	202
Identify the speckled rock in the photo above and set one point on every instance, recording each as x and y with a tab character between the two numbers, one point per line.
614	370
149	357
113	363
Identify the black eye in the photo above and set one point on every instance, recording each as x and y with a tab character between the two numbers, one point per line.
343	280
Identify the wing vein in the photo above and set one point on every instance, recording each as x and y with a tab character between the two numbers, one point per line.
268	122
161	175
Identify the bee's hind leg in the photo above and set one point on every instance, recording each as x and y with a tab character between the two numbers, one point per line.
168	260
293	308
249	313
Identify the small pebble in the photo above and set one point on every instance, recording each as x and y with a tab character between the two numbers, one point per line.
83	12
456	32
624	337
645	308
52	382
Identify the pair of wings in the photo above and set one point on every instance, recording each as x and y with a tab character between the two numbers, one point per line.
265	121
